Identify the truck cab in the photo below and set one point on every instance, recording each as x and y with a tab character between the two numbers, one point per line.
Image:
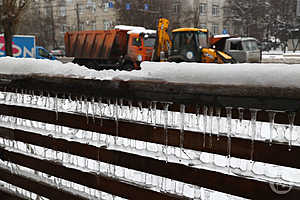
242	49
140	46
42	53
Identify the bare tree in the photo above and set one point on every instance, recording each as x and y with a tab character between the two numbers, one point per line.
259	18
147	12
192	14
11	12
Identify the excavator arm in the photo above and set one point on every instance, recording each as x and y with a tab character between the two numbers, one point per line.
162	42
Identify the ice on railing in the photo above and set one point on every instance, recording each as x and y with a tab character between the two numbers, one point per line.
207	121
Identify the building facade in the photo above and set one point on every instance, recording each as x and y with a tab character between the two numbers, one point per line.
206	14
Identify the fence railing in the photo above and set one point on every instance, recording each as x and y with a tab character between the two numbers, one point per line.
64	138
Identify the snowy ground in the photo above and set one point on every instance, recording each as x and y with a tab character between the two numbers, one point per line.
280	57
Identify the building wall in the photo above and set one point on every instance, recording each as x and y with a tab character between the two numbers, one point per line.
90	15
210	14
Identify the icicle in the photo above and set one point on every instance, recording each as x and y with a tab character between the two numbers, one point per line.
218	115
229	118
116	113
93	109
154	113
130	110
272	115
198	116
149	113
182	121
100	110
204	123
109	107
141	110
86	103
210	113
121	108
241	117
253	128
56	107
166	112
291	116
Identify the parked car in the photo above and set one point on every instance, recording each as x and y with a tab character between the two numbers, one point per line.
58	51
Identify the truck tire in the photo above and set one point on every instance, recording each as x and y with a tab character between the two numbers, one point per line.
127	67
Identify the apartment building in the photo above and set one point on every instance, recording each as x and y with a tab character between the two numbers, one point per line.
90	15
50	19
206	14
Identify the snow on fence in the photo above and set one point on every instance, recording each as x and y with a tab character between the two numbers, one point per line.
65	138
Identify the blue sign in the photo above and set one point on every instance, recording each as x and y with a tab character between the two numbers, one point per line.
23	46
146	7
110	4
127	6
225	31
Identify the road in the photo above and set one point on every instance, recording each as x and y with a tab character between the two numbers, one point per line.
266	59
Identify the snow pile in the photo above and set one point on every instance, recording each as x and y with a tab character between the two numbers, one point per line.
276	75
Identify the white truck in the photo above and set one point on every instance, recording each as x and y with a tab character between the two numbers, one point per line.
242	49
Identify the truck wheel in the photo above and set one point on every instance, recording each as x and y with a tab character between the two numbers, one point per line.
128	67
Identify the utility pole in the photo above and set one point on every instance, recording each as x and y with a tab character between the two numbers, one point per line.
52	24
77	15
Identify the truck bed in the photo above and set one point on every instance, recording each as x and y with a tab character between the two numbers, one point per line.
100	44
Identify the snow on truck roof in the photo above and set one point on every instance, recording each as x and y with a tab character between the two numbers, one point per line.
135	29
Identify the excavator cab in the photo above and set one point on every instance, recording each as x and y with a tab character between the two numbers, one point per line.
191	45
187	44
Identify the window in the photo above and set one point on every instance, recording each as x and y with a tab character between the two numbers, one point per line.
43	53
215	10
250	45
62	11
202	9
64	28
107	24
236	45
80	9
136	42
215	29
48	11
149	42
93	24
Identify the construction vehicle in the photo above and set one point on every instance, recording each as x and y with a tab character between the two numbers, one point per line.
122	48
187	45
242	49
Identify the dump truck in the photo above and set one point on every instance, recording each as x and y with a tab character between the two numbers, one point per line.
242	49
122	48
186	45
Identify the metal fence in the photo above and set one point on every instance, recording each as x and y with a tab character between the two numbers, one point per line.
65	138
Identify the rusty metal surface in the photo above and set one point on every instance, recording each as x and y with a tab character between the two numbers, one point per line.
241	186
266	98
6	194
38	187
109	44
150	165
241	148
92	180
